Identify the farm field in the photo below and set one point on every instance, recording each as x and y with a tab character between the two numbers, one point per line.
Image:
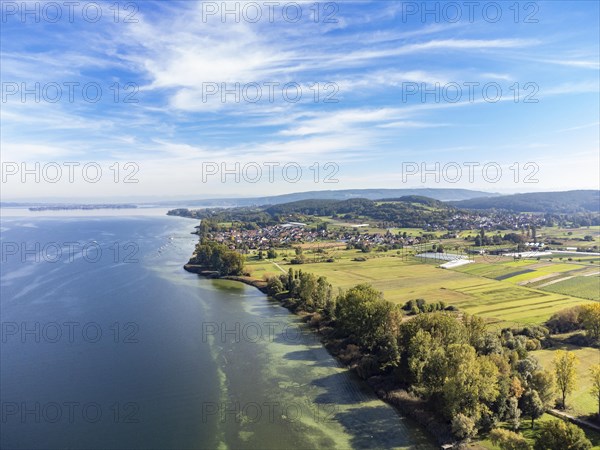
580	280
572	236
402	279
584	287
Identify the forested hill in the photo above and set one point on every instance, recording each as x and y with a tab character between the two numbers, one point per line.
566	202
357	207
418	212
344	194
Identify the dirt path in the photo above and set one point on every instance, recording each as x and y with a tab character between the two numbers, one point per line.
278	266
570	418
555	281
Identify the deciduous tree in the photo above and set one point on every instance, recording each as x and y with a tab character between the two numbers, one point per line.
558	434
509	440
564	369
532	405
595	375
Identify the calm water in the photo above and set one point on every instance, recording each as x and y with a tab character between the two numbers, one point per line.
108	343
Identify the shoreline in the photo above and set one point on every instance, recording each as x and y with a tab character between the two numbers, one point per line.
383	386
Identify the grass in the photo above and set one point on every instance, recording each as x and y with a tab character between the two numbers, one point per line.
538	273
584	287
488	270
402	279
580	402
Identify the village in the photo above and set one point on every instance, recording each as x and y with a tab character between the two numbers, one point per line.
294	233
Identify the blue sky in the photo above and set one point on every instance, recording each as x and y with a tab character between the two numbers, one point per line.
372	60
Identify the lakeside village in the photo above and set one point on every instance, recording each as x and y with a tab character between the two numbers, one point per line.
286	235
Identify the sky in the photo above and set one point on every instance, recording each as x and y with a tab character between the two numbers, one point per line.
163	100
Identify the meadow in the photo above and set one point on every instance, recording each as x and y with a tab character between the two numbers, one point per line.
584	287
580	402
403	278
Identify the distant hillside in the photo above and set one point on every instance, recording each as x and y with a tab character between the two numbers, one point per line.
408	214
566	202
417	199
369	194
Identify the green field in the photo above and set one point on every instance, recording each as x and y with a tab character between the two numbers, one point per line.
403	279
584	287
580	402
538	274
493	270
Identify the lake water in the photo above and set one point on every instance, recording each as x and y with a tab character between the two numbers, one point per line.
108	343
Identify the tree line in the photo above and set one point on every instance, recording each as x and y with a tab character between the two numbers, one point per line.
218	257
469	377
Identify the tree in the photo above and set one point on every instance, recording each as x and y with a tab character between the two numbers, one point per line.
300	258
275	286
471	380
558	434
232	263
475	330
564	369
532	405
362	312
509	440
323	294
528	365
218	257
595	375
463	427
544	383
513	413
516	388
590	319
271	253
421	350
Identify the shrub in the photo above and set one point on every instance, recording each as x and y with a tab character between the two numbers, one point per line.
463	427
566	320
509	440
558	434
350	353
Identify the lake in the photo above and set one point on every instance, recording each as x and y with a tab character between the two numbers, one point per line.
108	343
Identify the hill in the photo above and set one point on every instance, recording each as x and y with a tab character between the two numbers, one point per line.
566	202
345	194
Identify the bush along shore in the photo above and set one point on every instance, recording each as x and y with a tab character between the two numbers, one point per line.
438	366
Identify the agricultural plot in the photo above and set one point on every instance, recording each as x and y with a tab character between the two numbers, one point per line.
488	270
572	236
518	273
539	270
572	279
402	279
584	287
